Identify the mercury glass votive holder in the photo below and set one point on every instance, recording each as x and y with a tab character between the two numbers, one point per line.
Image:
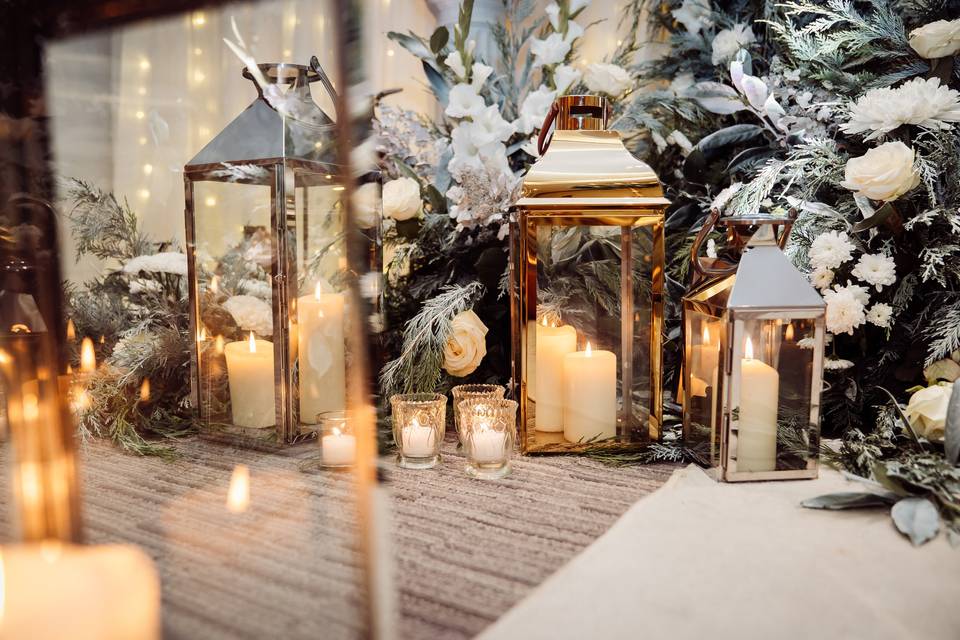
338	444
419	420
489	429
473	392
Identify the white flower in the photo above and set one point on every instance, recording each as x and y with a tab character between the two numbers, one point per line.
831	249
401	199
729	41
455	62
574	31
682	83
607	78
711	248
755	90
250	314
836	364
259	253
692	14
172	262
945	369
144	285
564	76
366	205
844	311
921	102
551	50
493	126
821	278
859	293
937	39
882	173
806	343
927	410
534	109
553	14
463	101
722	198
682	141
257	288
466	344
880	315
876	269
479	75
474	147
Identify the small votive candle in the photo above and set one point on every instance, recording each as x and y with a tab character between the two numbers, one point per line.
338	445
473	392
418	425
489	426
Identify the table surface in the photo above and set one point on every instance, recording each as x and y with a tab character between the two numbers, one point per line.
465	550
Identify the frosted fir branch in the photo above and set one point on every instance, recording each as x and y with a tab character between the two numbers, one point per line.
418	367
102	225
748	200
943	331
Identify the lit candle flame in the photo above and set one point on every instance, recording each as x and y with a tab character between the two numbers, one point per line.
748	349
788	334
71	330
215	284
69	369
5	358
336	431
706	334
544	321
588	349
218	345
103	339
145	390
253	343
238	495
88	357
318	291
19	328
31	407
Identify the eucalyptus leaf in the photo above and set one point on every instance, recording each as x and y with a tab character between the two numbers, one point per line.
443	178
439	40
917	519
411	44
951	436
717	98
850	500
437	83
408	172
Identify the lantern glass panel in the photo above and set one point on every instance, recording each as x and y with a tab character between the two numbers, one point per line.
703	333
773	425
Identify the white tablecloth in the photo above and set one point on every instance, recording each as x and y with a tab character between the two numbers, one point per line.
703	560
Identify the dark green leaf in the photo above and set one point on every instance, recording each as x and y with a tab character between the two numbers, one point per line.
437	83
408	172
886	215
435	198
889	482
464	20
750	157
412	44
439	40
736	134
408	229
849	500
917	519
951	437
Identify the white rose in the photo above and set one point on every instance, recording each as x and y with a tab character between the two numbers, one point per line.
551	50
607	78
366	205
401	199
729	41
945	369
882	173
927	410
936	40
466	344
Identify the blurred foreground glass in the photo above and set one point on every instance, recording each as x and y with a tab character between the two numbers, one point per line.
489	426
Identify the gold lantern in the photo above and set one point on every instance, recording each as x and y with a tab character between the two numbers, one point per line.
586	245
753	357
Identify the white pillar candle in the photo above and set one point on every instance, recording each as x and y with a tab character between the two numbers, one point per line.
757	430
487	446
250	374
50	591
338	449
553	343
418	441
705	356
590	395
320	349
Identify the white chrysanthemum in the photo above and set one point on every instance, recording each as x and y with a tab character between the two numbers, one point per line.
821	278
836	364
844	311
251	314
876	269
830	250
172	262
806	343
921	102
880	314
860	293
463	101
729	41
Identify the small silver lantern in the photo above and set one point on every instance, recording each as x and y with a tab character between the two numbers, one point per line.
265	230
753	358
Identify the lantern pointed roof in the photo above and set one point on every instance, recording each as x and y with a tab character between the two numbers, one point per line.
767	278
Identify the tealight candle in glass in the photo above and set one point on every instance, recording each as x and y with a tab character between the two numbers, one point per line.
338	445
473	392
419	420
489	426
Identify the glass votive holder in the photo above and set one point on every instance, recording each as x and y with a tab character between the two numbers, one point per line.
419	420
473	392
489	428
338	445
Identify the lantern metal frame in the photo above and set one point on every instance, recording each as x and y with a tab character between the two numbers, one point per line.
763	287
588	178
261	137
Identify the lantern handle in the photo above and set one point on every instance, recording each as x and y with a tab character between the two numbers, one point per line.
543	142
698	266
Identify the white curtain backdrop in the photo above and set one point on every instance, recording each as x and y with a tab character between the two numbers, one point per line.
131	106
